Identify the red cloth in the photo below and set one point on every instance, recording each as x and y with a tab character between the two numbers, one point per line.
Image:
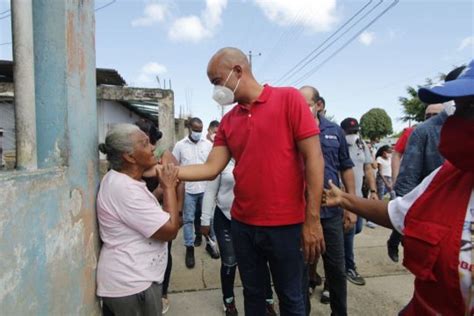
431	242
269	171
403	140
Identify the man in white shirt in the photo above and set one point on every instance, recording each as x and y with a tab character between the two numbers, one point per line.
193	150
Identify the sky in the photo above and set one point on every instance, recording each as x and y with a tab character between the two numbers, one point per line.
357	63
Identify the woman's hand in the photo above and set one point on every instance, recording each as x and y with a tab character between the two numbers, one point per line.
333	196
168	176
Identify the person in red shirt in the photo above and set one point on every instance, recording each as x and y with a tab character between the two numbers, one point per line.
274	140
395	238
437	217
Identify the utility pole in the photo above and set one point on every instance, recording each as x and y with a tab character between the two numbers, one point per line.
250	57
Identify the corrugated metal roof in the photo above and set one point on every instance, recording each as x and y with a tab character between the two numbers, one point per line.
103	76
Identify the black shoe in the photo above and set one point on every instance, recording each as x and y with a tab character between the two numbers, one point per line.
212	250
198	241
229	309
270	309
190	257
354	277
392	252
325	297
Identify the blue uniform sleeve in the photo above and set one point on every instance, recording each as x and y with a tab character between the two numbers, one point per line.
411	167
345	161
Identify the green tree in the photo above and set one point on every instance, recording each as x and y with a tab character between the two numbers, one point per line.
413	107
375	124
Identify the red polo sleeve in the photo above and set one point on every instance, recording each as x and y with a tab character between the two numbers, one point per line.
220	139
302	121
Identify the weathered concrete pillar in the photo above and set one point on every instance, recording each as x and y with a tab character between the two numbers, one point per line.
166	120
24	75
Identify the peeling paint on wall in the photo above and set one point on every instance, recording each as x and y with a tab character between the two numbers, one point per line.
9	280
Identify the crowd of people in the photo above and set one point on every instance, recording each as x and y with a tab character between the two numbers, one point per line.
275	186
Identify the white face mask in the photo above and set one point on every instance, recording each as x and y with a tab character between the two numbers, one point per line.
352	139
195	136
222	94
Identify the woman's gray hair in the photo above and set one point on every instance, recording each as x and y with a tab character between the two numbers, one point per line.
117	142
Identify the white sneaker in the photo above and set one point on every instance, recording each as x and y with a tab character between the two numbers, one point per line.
371	224
166	305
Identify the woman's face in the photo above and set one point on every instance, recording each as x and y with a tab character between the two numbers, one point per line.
387	154
143	151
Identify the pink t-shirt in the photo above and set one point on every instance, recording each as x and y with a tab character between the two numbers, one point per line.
128	216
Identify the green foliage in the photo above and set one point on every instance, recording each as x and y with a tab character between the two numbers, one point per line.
413	108
375	124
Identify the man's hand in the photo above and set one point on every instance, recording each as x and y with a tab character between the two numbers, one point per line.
373	196
205	230
167	176
333	196
312	240
350	219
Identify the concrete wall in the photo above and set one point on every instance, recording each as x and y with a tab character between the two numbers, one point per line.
110	113
7	122
165	98
48	231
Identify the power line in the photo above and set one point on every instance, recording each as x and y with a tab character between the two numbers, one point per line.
7	43
284	35
312	71
105	5
99	8
6	11
292	70
337	39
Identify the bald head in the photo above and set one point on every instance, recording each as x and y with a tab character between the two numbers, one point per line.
230	67
229	57
433	109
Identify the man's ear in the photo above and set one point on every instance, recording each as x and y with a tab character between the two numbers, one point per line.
238	71
128	158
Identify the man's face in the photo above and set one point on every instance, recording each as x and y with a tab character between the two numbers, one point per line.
212	130
464	103
308	96
195	127
432	110
221	75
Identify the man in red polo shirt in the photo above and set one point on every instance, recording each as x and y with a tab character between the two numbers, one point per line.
274	140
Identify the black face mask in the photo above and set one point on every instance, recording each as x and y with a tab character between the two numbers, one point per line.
154	134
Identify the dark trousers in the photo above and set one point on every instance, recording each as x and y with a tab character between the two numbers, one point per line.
334	264
349	244
146	303
169	266
222	229
280	247
395	239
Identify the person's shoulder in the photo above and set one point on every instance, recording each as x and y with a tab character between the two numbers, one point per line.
182	141
118	183
206	142
285	91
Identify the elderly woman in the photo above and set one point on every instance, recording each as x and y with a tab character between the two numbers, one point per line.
164	156
133	226
437	217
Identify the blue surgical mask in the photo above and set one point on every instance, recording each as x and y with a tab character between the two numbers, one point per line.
195	135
